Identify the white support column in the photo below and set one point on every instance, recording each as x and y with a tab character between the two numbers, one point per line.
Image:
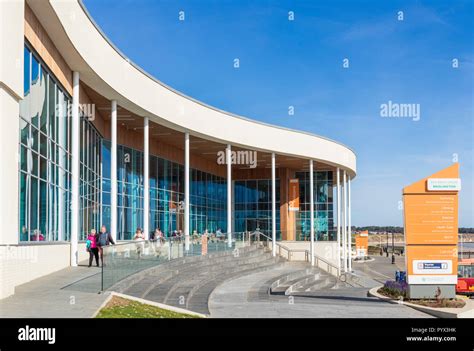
146	178
75	135
343	235
113	172
12	39
311	209
61	214
229	194
344	220
349	230
186	191
338	196
273	205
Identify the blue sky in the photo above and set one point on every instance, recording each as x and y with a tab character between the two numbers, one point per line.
300	63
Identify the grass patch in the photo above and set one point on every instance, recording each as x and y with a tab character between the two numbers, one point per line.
119	307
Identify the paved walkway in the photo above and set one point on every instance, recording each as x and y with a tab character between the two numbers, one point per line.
73	293
381	269
53	296
247	297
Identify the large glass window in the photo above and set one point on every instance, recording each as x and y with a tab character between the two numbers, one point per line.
90	184
253	206
208	201
44	176
323	207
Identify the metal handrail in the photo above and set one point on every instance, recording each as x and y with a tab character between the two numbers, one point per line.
259	233
330	264
289	252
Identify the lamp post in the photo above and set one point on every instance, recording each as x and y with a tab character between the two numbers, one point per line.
381	245
393	248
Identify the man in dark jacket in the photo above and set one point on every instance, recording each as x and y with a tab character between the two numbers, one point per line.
104	239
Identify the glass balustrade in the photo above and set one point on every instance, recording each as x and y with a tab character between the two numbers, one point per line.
125	259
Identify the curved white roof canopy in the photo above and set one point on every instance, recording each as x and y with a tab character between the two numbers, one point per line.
104	68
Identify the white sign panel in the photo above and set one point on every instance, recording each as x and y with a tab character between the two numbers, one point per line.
444	184
433	279
427	267
432	272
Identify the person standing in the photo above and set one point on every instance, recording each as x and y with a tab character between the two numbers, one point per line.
139	234
91	245
104	239
159	236
140	238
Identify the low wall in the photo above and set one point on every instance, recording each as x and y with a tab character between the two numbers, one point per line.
20	264
327	250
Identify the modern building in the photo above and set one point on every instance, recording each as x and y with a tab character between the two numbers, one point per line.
88	138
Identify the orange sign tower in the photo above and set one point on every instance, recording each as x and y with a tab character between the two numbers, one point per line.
431	233
362	243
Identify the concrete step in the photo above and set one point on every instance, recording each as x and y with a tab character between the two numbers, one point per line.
340	293
309	280
323	283
285	287
190	274
302	283
280	285
216	258
198	300
152	267
142	287
211	265
187	284
326	283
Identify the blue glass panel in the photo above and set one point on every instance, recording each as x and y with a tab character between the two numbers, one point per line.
37	100
26	71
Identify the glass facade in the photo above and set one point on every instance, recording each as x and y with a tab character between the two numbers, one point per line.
45	180
208	206
323	207
89	183
253	206
207	202
44	177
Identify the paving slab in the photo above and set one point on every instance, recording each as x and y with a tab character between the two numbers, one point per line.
243	298
53	296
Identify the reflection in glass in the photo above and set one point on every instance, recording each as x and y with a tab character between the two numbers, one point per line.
323	216
43	207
